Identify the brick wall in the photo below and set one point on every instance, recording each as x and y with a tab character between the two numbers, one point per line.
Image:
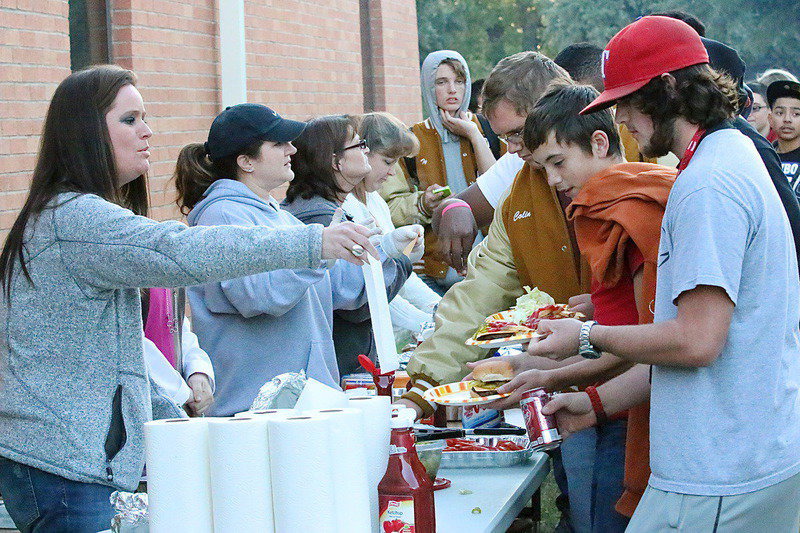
34	58
304	59
395	55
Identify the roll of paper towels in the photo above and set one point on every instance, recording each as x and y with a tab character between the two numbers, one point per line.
241	488
303	488
317	395
268	412
178	480
349	469
376	420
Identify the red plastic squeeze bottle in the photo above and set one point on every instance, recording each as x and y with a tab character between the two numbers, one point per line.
405	493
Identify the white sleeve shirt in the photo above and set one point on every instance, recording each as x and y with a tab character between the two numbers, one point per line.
195	360
495	181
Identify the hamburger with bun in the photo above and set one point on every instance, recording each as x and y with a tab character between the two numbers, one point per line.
488	376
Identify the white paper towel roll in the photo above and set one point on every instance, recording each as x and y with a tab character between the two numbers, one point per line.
178	480
302	484
349	469
268	412
317	395
241	488
376	411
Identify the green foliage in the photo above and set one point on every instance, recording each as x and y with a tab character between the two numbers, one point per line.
484	31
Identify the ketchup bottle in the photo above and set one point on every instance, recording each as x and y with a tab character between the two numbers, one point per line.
405	493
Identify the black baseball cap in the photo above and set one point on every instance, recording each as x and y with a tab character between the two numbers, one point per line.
725	59
243	124
781	88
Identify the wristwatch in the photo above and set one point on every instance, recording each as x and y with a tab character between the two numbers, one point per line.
585	348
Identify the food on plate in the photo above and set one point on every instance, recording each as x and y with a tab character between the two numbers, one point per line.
498	329
529	302
520	322
488	376
551	312
467	445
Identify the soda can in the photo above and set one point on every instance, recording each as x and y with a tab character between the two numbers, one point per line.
542	429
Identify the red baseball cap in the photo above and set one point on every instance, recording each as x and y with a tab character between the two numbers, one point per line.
644	50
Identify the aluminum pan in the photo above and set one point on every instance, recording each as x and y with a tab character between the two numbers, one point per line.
489	459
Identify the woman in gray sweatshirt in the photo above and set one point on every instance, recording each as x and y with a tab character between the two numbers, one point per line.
75	392
250	326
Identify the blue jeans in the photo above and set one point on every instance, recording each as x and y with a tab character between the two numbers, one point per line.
40	502
594	461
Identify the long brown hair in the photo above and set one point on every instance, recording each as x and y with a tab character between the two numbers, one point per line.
195	172
318	145
75	155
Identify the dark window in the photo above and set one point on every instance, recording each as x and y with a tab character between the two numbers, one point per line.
89	33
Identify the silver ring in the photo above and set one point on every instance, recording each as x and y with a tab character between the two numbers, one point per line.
357	250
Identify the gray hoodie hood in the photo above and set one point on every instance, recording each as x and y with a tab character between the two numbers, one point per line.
428	77
232	190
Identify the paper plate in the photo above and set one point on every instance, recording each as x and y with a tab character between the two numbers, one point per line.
457	394
517	338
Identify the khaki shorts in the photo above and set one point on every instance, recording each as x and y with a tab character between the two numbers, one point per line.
775	509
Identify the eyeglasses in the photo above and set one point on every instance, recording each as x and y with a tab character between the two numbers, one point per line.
515	137
361	145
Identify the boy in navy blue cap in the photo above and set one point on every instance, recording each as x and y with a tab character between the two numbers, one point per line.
783	98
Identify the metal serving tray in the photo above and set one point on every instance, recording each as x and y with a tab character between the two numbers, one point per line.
489	459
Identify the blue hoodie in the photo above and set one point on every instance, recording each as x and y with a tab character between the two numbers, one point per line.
259	326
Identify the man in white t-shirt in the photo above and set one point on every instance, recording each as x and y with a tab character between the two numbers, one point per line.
724	351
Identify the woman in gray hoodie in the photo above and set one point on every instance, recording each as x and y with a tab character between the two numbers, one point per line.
259	326
75	393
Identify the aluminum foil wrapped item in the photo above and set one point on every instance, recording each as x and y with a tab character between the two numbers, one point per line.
130	512
281	392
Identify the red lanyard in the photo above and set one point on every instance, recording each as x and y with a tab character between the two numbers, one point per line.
691	149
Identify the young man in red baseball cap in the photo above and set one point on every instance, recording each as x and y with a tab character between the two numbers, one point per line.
721	363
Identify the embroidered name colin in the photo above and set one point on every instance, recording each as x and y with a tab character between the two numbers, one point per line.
520	215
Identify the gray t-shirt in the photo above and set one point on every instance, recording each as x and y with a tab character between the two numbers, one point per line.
734	426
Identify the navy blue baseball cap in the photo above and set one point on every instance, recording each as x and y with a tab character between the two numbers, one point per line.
241	125
781	88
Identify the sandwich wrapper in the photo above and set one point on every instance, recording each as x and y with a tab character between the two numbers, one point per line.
281	392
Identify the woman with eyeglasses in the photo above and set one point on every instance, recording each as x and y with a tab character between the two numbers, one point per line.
331	160
456	146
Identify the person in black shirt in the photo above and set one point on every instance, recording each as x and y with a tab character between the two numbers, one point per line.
784	103
726	59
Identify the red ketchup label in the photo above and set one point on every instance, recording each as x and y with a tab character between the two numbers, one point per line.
396	514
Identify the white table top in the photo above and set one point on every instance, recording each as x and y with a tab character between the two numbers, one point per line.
500	493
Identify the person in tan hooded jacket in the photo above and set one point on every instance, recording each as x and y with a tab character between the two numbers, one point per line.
453	152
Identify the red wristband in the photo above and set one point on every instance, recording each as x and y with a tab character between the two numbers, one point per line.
459	203
597	404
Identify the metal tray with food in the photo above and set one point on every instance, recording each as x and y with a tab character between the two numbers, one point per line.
489	458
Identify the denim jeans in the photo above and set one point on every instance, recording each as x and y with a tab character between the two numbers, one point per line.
39	502
594	461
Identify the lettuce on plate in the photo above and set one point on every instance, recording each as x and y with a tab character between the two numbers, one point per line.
529	302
